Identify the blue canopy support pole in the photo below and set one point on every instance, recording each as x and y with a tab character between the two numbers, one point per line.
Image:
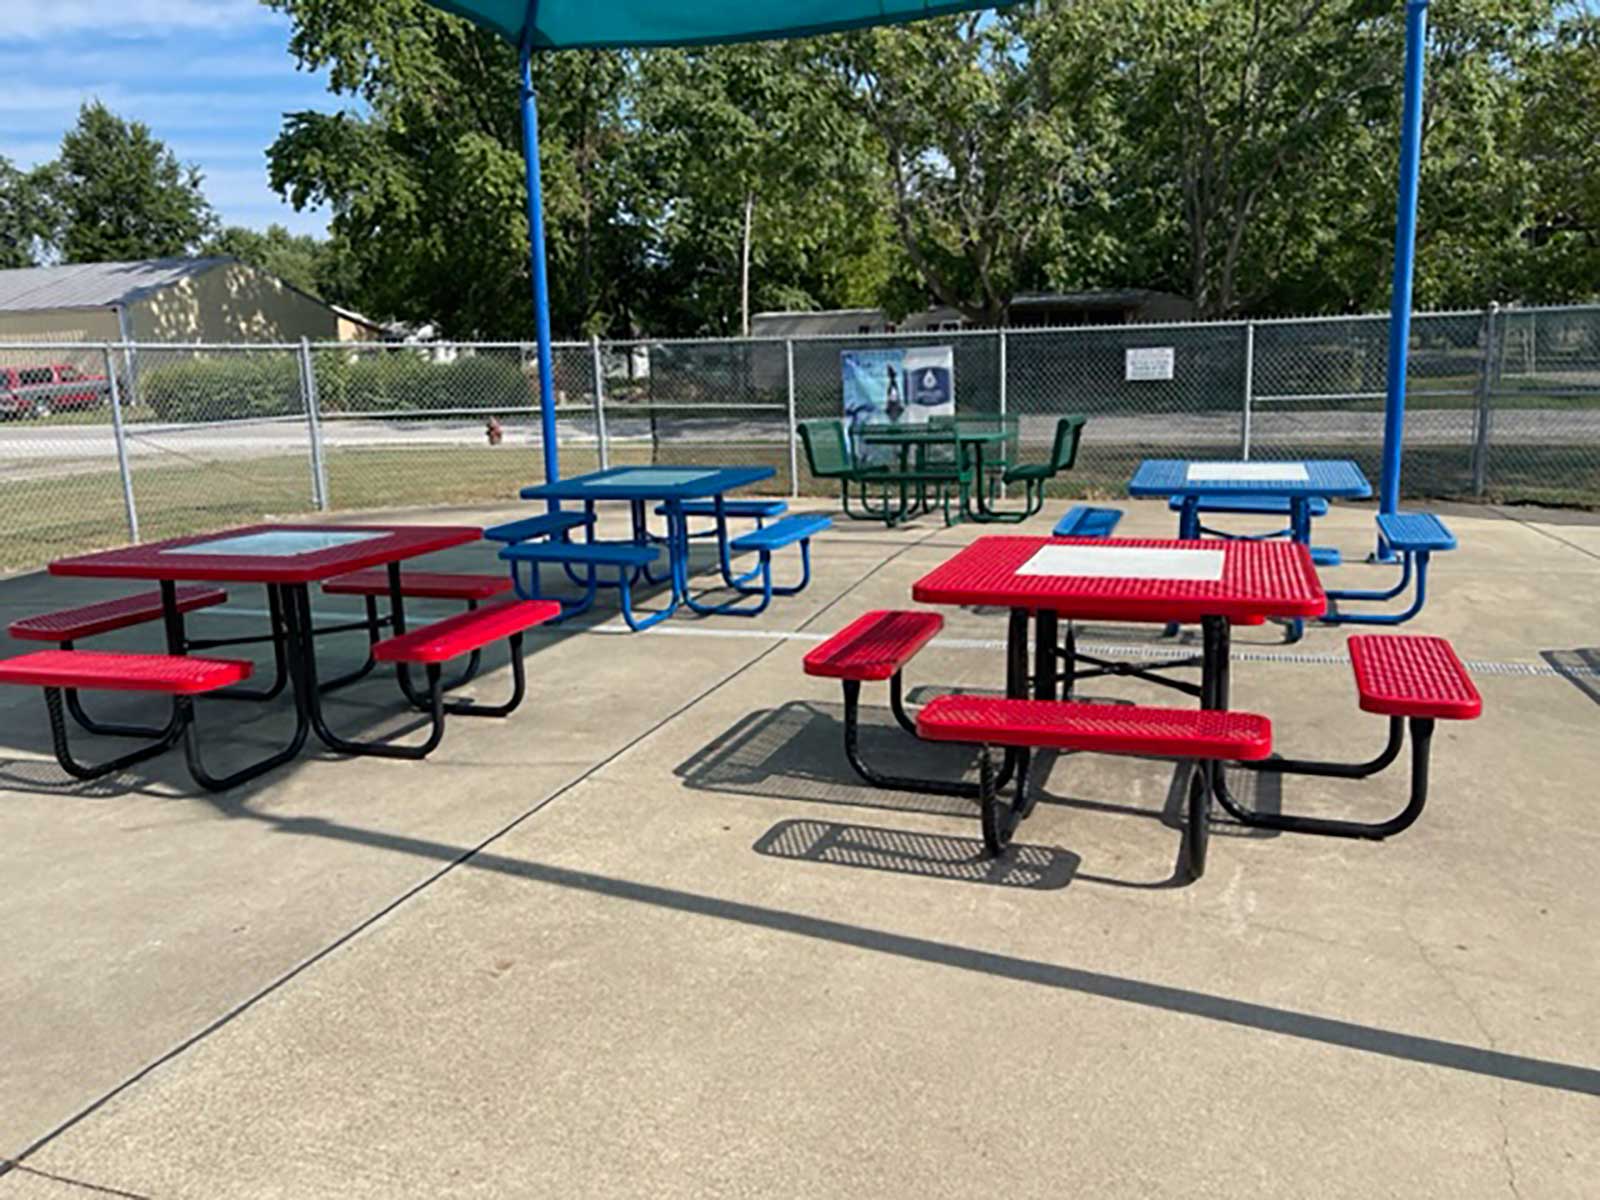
1405	246
536	264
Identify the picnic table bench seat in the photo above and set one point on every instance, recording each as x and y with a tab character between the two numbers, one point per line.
429	645
550	524
425	585
1414	681
1193	735
760	510
105	616
1416	536
1401	675
1100	728
465	632
801	528
875	646
102	670
182	677
1085	521
604	554
630	559
1273	506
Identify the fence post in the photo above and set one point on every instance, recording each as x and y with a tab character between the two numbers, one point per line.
1480	435
794	429
601	440
308	391
121	438
1000	395
1249	388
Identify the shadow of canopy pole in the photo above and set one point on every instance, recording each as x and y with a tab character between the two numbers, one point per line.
1264	1018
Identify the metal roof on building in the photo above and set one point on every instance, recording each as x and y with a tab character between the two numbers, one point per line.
95	285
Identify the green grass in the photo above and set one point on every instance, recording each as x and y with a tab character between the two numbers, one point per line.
51	517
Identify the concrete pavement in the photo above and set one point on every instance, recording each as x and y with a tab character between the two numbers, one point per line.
651	937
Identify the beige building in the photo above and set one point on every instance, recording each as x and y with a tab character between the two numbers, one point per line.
167	300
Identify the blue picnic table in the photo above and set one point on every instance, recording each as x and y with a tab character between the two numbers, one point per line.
672	489
1303	483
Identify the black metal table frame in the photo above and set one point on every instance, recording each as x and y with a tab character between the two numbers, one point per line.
293	636
1055	670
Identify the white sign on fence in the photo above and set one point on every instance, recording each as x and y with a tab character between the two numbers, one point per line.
1149	362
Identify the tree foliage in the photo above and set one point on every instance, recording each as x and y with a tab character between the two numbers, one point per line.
1239	152
122	194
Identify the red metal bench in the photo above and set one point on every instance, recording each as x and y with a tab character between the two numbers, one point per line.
877	645
428	646
179	676
421	585
1412	680
1194	735
67	625
427	585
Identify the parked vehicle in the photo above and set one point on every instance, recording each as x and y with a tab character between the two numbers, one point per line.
38	391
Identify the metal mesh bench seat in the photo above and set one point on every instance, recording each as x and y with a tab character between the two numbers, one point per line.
782	533
1401	675
759	509
1102	728
606	554
98	670
105	616
1415	531
543	525
1084	521
876	645
465	632
1413	681
1198	737
182	677
1416	537
426	585
785	532
1277	506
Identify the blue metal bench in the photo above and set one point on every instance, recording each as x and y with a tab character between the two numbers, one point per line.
1082	521
629	558
1270	506
1415	537
759	511
552	524
800	528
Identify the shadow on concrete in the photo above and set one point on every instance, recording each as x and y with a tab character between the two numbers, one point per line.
930	855
1579	667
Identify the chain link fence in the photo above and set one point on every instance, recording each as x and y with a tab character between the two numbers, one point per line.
103	443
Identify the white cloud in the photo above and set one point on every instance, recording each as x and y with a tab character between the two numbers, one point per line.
130	18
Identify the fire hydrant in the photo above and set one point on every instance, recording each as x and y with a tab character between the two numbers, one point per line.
494	431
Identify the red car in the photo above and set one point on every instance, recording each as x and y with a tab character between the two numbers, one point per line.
39	391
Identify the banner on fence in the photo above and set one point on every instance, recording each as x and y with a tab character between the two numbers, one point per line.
897	387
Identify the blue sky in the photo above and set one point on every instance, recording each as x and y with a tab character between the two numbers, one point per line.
212	78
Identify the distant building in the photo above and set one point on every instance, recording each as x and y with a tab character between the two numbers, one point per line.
1122	306
167	300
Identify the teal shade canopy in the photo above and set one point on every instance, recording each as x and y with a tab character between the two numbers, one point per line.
562	24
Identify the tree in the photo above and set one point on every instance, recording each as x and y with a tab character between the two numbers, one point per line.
122	193
775	191
29	219
997	177
426	184
1560	141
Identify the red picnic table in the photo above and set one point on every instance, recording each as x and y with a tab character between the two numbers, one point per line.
286	559
1153	580
1414	681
